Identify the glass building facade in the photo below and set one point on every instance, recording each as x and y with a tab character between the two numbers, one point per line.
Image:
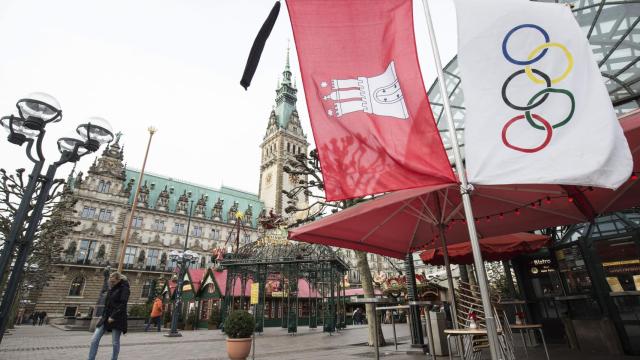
584	288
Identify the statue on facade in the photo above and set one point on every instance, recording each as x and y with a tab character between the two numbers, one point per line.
181	206
216	212
248	215
163	200
231	215
262	214
127	189
143	195
201	205
79	179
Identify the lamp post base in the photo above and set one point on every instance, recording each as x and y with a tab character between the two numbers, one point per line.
171	334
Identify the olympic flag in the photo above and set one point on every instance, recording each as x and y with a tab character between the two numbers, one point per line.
537	108
369	110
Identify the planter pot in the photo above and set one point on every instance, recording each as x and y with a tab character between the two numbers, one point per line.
238	349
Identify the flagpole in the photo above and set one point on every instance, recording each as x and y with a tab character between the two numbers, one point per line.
492	333
134	206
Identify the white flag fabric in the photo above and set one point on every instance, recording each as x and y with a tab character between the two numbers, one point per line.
538	111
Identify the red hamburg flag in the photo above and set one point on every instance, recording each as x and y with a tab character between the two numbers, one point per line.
369	111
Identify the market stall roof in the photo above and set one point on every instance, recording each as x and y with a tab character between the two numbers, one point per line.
221	280
303	289
495	248
359	292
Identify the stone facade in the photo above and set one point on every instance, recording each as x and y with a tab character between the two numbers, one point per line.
103	207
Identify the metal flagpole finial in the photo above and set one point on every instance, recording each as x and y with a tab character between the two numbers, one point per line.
152	130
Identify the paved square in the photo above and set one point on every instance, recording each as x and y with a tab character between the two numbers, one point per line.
46	342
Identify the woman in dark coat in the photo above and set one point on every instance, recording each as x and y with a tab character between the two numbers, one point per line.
114	316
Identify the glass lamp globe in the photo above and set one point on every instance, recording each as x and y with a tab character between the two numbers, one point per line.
96	128
38	109
68	144
15	126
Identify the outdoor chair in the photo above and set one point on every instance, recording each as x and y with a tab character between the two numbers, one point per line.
474	341
521	328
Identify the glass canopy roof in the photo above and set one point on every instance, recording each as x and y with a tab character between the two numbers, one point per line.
612	29
616	224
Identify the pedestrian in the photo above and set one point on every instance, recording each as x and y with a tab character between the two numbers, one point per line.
42	317
156	314
35	315
114	316
357	316
32	318
387	317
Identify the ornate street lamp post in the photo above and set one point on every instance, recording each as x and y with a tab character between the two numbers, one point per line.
35	111
184	258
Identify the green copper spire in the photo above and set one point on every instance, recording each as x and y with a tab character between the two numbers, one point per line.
285	95
286	74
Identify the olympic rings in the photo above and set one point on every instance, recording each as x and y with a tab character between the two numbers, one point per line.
529	105
545	47
537	77
545	92
544	144
529	61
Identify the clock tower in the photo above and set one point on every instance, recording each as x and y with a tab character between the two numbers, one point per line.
283	140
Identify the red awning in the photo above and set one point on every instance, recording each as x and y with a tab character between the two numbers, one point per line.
406	221
493	249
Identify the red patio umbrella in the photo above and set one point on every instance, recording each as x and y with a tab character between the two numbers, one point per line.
495	248
405	221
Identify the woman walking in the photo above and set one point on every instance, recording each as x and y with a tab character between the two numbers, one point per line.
114	316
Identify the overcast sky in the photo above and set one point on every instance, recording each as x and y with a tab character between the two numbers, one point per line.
172	64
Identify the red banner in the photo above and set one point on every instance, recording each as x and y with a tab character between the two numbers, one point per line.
369	111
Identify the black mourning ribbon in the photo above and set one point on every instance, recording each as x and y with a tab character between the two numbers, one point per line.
258	46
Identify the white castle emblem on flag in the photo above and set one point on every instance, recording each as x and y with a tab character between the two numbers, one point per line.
378	95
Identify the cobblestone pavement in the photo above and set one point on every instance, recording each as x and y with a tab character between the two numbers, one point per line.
46	342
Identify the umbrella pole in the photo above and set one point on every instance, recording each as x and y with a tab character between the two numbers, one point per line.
447	265
492	331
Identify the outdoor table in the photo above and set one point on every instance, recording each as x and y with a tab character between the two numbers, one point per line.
373	302
425	304
518	306
393	320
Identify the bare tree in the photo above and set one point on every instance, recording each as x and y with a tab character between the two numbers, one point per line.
310	185
47	240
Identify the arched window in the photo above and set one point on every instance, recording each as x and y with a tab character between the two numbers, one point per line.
77	285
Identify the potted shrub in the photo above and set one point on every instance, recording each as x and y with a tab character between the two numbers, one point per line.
214	319
239	327
190	324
